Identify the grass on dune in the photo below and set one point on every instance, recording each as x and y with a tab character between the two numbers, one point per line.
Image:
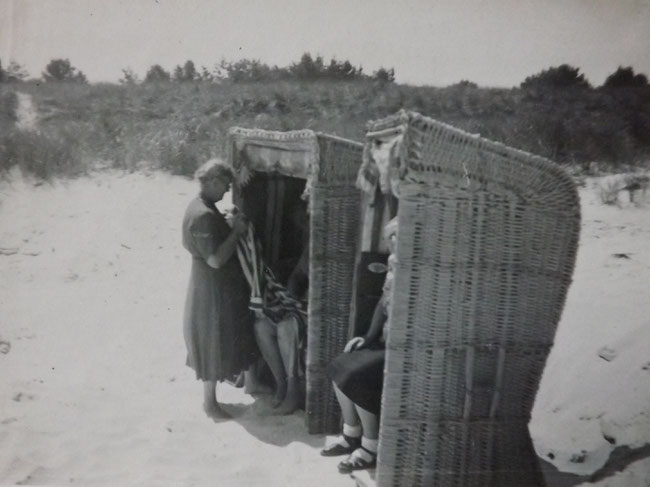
175	126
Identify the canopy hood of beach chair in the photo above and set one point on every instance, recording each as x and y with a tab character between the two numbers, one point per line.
294	153
410	147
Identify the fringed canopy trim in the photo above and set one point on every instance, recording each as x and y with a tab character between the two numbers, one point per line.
294	153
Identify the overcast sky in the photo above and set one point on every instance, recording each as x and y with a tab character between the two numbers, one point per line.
428	42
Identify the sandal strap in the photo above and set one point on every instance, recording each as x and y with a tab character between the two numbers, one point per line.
358	455
370	452
356	461
344	445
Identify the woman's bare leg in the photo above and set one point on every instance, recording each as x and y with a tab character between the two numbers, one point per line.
210	404
366	455
252	385
288	342
348	409
369	423
351	437
265	334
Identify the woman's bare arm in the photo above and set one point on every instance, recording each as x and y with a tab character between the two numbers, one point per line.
228	247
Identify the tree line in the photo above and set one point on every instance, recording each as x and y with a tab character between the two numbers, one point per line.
243	70
250	70
309	68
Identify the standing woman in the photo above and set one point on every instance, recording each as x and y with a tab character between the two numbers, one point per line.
218	325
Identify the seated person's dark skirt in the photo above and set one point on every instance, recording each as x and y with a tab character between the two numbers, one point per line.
360	376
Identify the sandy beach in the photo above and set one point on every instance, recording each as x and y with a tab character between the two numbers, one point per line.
95	392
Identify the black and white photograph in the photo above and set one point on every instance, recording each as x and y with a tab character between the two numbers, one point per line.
325	243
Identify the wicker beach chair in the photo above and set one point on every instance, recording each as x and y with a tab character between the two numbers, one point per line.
486	249
329	165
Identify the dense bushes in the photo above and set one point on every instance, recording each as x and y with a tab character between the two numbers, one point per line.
175	126
42	155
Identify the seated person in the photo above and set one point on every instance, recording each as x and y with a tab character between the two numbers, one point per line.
280	332
357	376
280	324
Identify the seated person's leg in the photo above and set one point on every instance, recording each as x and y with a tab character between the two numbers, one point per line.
358	380
350	440
267	341
250	379
366	455
288	339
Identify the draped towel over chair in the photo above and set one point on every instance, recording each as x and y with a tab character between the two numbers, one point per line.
268	296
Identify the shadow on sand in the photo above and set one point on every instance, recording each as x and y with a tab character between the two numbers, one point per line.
260	420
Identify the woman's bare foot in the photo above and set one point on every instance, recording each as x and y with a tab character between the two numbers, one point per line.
280	393
215	412
292	399
253	386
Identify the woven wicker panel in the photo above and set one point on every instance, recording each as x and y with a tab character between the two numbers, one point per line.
335	222
440	376
486	249
458	454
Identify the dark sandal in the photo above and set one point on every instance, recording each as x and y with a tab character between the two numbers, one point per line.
337	449
353	462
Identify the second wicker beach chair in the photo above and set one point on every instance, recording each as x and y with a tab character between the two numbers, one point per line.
486	249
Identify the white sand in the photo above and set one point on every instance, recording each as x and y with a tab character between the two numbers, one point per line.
94	390
583	396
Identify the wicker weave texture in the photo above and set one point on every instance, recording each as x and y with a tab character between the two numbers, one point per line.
458	454
440	376
340	160
335	222
486	249
487	256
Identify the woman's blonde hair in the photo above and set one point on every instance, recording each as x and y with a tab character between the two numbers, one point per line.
212	169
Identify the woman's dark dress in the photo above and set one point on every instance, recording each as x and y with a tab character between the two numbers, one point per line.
360	374
217	324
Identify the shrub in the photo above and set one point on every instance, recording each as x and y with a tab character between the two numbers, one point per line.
563	76
43	156
625	77
8	103
156	74
58	70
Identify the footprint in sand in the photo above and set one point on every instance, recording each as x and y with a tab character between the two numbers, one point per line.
621	256
71	277
5	347
38	476
607	353
23	397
